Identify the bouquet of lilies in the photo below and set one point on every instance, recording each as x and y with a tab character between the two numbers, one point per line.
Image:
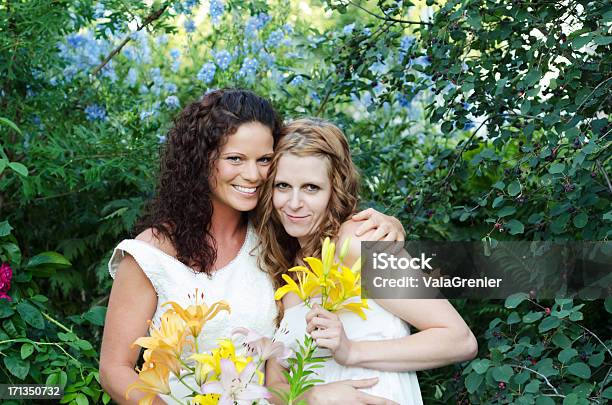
337	288
218	376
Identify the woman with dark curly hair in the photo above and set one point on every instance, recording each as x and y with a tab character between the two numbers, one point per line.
196	233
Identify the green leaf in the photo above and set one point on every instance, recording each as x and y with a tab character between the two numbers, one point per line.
544	400
31	315
532	316
579	42
18	168
515	227
505	211
26	350
481	365
581	220
473	381
580	369
81	399
11	124
549	323
514	300
566	355
5	228
497	201
16	366
513	318
608	304
96	315
503	373
49	258
601	40
562	341
6	309
556	168
514	188
533	387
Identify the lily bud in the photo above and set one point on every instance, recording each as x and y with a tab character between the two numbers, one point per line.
344	249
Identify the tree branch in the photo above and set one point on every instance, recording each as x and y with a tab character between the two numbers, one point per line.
150	18
390	18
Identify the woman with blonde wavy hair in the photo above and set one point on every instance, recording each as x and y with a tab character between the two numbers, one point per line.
311	193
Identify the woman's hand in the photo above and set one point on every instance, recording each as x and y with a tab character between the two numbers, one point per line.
385	227
346	392
327	331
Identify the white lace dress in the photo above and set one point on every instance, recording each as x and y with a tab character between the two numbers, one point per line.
247	289
401	387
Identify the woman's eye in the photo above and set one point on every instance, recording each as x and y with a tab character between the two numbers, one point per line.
281	186
312	187
265	160
234	159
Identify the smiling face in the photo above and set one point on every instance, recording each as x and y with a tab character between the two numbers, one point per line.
302	190
242	166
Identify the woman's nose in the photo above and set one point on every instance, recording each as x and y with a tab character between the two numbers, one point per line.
296	201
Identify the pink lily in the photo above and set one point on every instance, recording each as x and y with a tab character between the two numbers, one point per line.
236	389
263	346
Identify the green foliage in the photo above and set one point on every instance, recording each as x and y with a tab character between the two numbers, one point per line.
485	120
299	375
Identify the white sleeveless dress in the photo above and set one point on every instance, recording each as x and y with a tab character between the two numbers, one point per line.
401	387
247	289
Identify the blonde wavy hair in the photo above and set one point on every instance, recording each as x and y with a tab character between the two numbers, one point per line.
306	137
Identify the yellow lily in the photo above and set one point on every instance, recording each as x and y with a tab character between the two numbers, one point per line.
171	361
170	336
152	380
198	314
306	287
206	399
211	362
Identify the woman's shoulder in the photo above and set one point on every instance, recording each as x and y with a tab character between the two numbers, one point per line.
158	240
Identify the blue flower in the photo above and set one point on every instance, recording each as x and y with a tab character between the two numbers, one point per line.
162	39
249	68
468	125
95	112
429	166
149	113
402	100
348	29
421	60
256	23
207	72
267	59
296	81
223	59
132	77
216	10
367	32
189	26
172	102
275	38
315	97
171	88
175	53
161	138
406	42
98	11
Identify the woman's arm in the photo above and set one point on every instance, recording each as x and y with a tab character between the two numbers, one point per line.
336	393
443	337
132	302
385	227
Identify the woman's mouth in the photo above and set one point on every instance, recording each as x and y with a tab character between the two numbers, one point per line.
250	191
296	218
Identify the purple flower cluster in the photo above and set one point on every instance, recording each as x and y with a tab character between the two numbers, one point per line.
207	72
223	59
95	112
249	68
255	24
275	38
189	26
6	274
216	10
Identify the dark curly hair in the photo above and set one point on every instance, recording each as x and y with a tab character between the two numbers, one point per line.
181	209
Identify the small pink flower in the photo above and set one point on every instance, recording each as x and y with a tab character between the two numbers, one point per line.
5	296
264	347
6	274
